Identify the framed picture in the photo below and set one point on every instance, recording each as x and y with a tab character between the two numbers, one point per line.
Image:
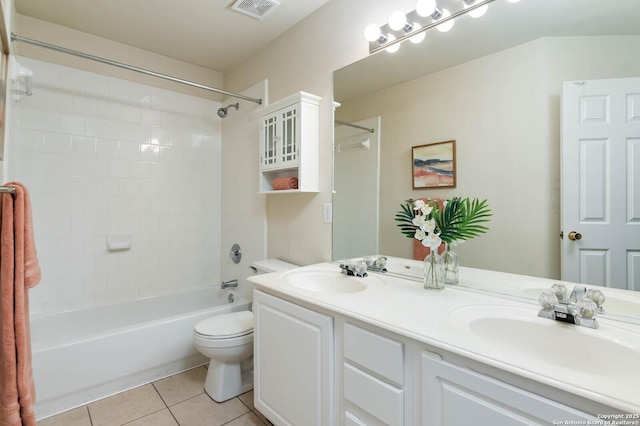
434	165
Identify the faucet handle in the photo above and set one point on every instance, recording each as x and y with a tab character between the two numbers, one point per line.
597	296
548	300
561	292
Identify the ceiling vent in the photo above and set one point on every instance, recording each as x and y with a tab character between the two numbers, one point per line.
255	8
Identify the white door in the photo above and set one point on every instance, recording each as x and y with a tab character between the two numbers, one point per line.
601	182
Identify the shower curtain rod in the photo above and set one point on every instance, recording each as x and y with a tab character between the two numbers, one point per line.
344	123
7	189
42	44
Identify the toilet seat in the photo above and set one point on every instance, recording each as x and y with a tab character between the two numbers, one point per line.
226	326
224	330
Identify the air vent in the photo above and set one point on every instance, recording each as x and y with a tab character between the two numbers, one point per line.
255	8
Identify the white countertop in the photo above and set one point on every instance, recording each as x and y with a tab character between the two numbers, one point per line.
436	318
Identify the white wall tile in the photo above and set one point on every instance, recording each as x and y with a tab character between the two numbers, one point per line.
104	156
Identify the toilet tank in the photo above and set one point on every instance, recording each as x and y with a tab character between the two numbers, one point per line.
271	265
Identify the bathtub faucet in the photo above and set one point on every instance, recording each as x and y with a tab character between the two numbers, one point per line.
227	284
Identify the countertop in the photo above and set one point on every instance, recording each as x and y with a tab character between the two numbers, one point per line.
440	319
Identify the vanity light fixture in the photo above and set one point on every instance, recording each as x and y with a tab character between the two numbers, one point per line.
413	25
476	13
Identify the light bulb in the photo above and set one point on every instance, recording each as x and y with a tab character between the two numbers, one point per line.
418	37
372	32
447	25
397	20
425	8
476	13
395	47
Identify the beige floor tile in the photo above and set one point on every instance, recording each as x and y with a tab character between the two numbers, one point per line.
262	417
182	386
159	418
126	406
247	398
76	417
202	410
249	419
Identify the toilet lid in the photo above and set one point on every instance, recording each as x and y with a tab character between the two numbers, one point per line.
226	325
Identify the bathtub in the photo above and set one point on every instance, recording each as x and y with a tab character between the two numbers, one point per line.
87	354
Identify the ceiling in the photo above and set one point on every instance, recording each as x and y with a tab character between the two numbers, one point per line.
201	32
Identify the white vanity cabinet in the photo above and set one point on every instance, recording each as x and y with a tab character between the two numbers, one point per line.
455	396
293	362
372	377
289	134
317	366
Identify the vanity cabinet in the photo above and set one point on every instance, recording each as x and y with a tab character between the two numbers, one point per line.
372	377
453	395
314	366
289	134
293	362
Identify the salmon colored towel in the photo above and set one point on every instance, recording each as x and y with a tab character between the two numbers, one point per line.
283	183
19	271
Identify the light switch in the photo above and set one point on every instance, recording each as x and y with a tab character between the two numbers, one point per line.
327	213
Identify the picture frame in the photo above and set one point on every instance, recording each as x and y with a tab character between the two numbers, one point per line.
433	165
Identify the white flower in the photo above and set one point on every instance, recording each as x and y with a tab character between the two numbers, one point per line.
432	241
418	221
429	226
426	210
419	204
419	235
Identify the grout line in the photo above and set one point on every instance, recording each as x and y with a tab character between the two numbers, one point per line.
159	394
148	414
89	413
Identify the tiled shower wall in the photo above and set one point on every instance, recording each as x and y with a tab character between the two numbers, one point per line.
103	156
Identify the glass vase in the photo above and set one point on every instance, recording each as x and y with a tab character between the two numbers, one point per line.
451	266
433	271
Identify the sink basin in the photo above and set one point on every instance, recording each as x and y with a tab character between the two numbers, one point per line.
519	334
614	303
325	281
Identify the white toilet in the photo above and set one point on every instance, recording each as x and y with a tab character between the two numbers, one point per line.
227	340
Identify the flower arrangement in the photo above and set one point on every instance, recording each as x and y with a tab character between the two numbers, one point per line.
454	221
457	220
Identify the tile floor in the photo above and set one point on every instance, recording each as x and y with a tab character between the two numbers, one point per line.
177	400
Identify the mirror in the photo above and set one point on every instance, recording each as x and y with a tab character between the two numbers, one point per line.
493	84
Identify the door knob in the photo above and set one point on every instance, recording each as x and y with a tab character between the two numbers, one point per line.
574	236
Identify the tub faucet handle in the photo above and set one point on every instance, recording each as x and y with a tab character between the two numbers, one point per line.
230	283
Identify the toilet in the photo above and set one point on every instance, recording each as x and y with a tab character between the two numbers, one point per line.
227	340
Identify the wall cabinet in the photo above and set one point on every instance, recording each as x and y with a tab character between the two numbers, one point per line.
293	362
289	135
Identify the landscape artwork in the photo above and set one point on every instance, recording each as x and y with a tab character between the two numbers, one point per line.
434	165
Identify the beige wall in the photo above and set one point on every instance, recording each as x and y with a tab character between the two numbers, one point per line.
304	58
36	29
503	110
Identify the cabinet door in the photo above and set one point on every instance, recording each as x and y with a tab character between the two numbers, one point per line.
455	396
269	132
293	362
289	137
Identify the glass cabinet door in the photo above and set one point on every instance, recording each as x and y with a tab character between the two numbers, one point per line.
288	150
270	139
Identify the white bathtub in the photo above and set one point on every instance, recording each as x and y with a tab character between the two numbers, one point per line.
86	354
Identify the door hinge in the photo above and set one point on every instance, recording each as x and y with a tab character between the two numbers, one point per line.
561	235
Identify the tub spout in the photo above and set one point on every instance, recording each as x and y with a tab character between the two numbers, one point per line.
227	284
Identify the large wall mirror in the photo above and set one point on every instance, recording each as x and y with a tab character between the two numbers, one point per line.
494	86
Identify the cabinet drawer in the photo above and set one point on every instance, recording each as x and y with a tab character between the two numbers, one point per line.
382	401
352	420
380	355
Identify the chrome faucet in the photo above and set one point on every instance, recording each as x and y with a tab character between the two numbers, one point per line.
227	284
376	263
356	269
580	307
